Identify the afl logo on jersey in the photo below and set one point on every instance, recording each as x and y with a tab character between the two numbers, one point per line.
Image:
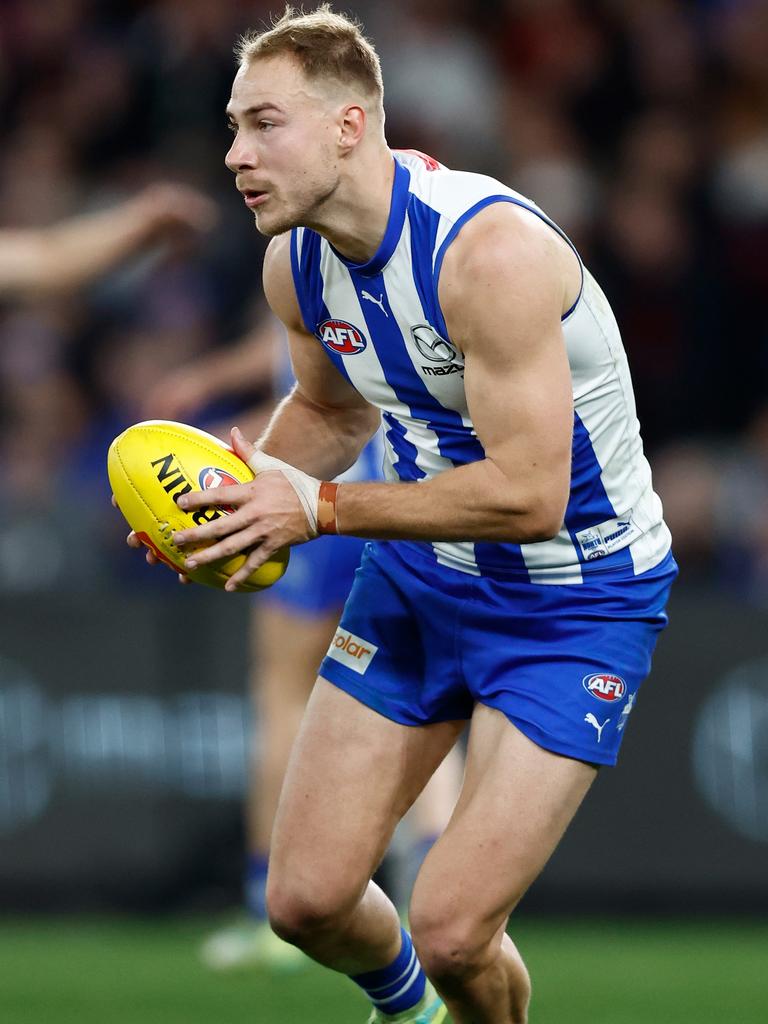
339	336
605	687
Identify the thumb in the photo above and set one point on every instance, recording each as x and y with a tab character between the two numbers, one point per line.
242	448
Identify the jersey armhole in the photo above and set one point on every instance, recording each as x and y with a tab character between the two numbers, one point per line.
472	212
299	284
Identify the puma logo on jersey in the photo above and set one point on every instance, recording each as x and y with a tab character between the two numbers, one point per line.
590	718
377	302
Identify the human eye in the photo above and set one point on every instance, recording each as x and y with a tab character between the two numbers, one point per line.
265	126
231	126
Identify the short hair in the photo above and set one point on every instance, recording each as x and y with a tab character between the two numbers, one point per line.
325	44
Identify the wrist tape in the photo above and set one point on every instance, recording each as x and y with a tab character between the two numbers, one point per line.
317	497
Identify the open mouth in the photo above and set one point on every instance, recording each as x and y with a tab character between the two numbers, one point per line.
253	197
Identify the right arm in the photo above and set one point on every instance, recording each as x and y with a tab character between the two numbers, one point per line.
323	424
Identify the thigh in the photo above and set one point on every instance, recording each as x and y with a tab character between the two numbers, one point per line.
352	775
288	647
516	802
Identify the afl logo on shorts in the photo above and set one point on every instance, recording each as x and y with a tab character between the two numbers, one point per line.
339	336
210	478
605	687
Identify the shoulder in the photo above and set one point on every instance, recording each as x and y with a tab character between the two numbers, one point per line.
505	253
279	287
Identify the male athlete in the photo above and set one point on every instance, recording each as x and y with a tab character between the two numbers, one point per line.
520	565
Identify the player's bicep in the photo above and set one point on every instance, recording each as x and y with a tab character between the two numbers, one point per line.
502	301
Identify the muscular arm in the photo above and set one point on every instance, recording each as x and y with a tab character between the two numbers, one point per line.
504	284
47	261
323	424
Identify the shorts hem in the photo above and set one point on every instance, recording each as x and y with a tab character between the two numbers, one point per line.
555	746
342	681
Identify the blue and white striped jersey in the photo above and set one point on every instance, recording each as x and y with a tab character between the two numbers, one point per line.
382	326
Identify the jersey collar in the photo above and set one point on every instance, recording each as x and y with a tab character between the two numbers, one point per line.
397	210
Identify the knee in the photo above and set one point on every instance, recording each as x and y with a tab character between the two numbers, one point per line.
302	917
450	948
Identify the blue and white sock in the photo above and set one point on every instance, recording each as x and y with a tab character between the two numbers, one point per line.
398	987
256	885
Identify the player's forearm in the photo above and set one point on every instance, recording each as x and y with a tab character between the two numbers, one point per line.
474	502
321	441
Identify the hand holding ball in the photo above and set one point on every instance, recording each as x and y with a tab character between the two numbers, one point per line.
150	465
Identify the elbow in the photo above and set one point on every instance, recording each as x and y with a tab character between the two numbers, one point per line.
536	530
542	520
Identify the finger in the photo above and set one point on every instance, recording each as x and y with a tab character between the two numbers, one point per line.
242	448
227	548
235	494
114	503
132	540
257	557
217	528
150	557
184	580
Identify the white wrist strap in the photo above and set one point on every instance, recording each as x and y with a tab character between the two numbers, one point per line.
307	487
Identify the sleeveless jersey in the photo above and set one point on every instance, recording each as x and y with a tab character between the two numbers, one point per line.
382	326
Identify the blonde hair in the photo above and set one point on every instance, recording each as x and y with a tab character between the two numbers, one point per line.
325	44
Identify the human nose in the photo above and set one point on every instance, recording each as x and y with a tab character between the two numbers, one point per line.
240	157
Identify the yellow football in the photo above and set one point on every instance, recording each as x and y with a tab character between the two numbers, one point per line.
150	465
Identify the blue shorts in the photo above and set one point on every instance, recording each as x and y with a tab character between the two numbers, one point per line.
318	578
421	643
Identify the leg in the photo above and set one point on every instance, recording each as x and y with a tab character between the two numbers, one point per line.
424	824
287	650
516	802
287	647
351	777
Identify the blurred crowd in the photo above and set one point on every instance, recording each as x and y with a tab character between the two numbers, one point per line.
642	128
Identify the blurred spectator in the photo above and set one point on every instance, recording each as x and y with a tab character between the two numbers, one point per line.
641	128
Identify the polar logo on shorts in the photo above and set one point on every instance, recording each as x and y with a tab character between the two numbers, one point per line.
341	337
605	687
352	651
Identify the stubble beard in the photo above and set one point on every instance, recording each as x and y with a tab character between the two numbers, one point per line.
306	213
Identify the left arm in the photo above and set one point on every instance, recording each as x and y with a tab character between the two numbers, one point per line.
505	283
502	291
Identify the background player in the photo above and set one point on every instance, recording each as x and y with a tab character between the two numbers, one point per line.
292	625
530	473
37	262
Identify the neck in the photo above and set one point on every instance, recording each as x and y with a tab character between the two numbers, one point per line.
354	219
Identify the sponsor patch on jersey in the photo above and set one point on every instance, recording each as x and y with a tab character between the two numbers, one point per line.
352	651
443	356
339	336
605	687
612	535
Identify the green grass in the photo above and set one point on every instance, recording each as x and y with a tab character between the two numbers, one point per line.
74	971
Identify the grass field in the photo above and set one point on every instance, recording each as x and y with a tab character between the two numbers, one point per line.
74	971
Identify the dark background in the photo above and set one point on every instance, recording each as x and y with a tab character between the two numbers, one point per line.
642	129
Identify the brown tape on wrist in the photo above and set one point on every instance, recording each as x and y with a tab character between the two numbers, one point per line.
326	508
